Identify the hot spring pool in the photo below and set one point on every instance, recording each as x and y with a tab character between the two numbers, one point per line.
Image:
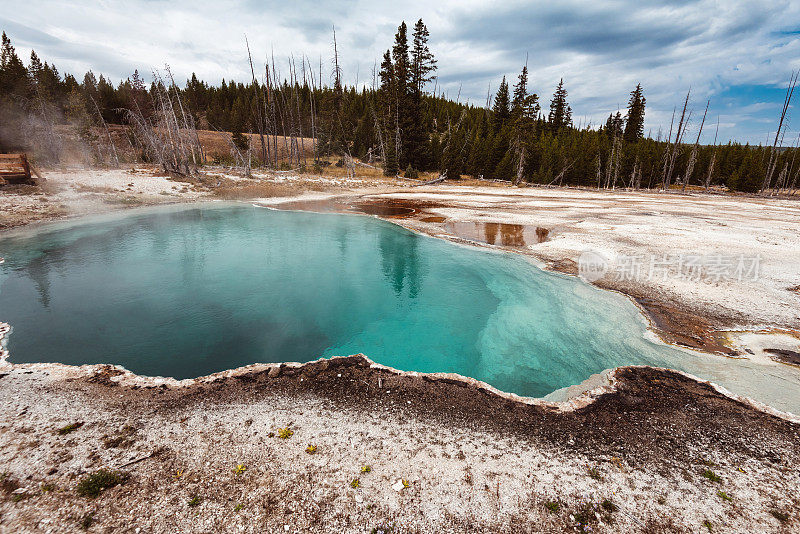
187	291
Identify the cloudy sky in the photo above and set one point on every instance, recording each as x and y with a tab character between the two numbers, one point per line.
738	54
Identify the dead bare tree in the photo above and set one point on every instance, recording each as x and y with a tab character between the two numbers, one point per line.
667	151
713	157
189	130
693	156
773	154
682	124
105	128
313	111
560	176
612	164
598	169
162	137
791	167
636	175
259	114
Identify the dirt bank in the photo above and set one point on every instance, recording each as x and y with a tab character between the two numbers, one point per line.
655	452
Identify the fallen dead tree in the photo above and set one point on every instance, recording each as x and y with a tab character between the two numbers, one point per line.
440	179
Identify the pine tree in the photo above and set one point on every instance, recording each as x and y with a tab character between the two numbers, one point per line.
13	74
501	109
240	141
634	127
390	166
35	68
520	91
387	101
613	127
423	64
476	158
524	129
402	80
416	145
560	112
453	156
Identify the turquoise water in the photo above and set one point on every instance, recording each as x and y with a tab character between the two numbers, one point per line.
188	291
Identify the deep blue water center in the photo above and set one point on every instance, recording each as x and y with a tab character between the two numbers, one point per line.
188	291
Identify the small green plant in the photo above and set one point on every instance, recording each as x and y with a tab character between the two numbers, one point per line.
783	517
608	506
584	515
406	483
553	506
238	507
724	496
239	469
311	449
711	475
383	528
87	521
356	483
594	473
124	439
708	525
47	487
93	484
411	172
285	433
366	468
240	141
64	430
194	501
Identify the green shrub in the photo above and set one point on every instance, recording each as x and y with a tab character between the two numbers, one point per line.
553	506
69	428
594	473
93	484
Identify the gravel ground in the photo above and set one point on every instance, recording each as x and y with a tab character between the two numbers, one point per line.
651	451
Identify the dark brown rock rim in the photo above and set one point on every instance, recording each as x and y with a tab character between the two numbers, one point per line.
651	416
784	356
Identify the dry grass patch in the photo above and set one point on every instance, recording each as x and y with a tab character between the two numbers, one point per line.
232	191
83	188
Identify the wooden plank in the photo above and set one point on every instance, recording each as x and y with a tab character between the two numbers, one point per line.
14	167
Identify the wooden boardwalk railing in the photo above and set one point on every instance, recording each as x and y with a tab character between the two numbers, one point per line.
14	168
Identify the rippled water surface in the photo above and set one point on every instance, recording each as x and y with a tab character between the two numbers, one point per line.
188	291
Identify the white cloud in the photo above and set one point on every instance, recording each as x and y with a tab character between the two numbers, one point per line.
601	50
